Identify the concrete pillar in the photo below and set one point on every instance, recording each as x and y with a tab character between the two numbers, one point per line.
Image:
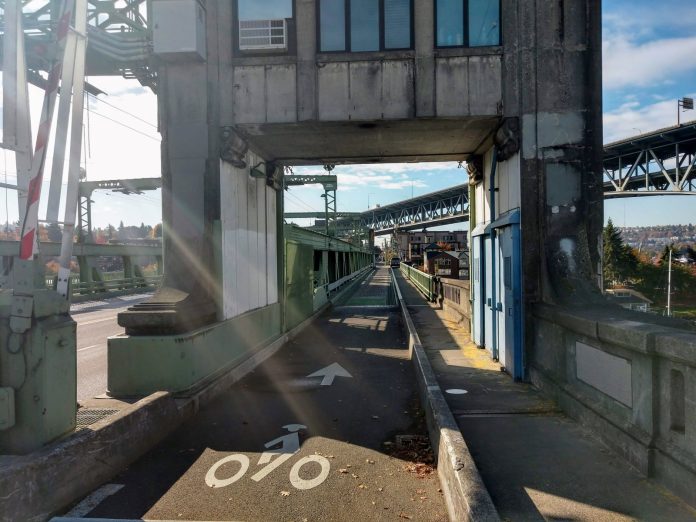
552	91
189	120
424	34
305	11
127	267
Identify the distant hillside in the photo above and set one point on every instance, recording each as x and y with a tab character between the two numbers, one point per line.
654	239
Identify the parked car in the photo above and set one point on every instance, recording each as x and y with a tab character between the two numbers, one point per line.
395	262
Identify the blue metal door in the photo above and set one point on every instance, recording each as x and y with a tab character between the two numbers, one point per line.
479	293
489	341
509	296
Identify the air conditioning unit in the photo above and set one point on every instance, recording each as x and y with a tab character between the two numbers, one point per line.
255	35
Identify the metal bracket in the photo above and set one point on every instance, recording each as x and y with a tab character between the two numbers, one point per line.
233	147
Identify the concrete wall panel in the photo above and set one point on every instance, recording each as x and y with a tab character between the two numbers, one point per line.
281	94
249	92
365	91
398	98
609	374
452	81
271	246
485	85
262	254
249	249
509	184
333	92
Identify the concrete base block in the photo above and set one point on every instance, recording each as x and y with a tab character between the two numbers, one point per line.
140	365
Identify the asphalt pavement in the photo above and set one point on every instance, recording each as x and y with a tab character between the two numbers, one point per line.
96	321
327	429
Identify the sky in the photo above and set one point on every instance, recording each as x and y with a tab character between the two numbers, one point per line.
649	62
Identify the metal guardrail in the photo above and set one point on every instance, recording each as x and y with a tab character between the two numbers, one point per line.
116	285
112	286
426	283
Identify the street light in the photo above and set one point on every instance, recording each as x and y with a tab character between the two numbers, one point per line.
685	104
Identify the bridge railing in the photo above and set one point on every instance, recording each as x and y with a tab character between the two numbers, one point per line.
426	283
91	281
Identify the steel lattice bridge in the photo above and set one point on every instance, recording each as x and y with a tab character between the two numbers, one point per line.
653	164
658	163
443	207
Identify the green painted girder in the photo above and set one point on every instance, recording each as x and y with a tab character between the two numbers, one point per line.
329	181
11	248
126	186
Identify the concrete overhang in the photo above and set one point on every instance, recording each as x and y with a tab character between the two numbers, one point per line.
393	141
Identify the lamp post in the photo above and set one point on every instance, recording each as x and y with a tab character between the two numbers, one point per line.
685	104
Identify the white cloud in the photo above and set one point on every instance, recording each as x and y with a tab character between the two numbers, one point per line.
630	64
631	119
388	176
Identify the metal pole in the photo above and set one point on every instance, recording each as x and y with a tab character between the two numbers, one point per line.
669	285
73	189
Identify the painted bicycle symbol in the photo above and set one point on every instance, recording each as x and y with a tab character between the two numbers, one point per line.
289	445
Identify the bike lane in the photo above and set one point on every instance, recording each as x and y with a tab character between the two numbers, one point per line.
320	431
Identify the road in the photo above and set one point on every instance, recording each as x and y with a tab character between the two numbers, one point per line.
96	321
327	429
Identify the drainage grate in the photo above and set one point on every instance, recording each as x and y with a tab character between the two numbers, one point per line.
86	417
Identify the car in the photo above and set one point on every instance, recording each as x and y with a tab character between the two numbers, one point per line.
395	262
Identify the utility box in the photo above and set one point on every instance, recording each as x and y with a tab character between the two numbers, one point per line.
38	374
178	30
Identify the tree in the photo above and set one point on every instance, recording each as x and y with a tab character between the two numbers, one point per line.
157	231
620	262
54	233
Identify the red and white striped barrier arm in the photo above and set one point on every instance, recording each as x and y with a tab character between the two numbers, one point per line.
31	217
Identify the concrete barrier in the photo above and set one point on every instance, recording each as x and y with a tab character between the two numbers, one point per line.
632	382
456	301
465	494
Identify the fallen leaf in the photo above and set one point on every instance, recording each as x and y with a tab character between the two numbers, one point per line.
404	515
369	461
343	470
362	486
354	475
380	489
284	493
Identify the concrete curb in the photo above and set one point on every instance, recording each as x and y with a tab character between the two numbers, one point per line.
34	487
465	494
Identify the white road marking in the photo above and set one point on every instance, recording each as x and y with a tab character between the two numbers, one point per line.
330	373
289	447
301	483
96	321
270	467
456	391
90	347
93	500
215	482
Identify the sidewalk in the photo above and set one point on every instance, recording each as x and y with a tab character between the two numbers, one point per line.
536	463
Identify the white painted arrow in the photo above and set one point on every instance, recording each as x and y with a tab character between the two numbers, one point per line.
330	373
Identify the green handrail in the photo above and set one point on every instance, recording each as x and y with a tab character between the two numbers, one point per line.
426	283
